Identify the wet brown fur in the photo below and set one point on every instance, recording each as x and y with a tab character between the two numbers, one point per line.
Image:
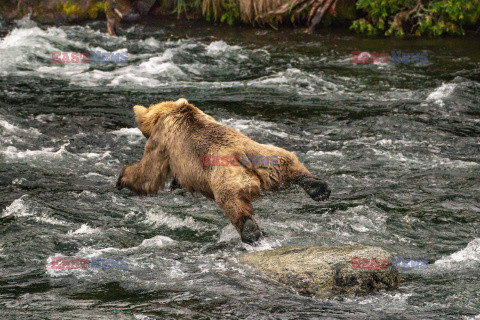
179	134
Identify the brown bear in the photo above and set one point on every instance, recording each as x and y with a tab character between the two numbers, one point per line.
219	162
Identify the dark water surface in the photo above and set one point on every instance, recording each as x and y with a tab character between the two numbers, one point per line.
399	145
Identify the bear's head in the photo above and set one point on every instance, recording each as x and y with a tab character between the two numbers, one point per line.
147	117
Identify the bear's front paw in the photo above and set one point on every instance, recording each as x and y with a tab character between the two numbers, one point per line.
316	189
250	232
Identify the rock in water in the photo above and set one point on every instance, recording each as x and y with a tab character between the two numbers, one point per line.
326	271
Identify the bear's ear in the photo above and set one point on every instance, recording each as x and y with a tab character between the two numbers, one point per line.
139	111
181	102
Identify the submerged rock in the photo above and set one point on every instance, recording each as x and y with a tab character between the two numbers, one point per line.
327	271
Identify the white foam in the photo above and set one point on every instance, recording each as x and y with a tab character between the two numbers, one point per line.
462	258
23	46
250	126
428	161
31	37
13	153
129	79
360	228
26	22
219	47
335	153
128	132
362	219
228	233
143	317
148	73
21	208
95	155
66	69
86	194
150	42
84	229
395	301
157	241
132	135
442	92
173	222
301	82
49	220
262	245
158	66
10	128
51	155
296	225
46	117
17	208
18	181
20	48
96	175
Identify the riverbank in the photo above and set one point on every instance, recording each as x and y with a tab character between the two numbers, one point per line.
370	18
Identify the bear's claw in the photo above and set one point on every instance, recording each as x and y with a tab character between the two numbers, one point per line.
119	183
316	189
250	232
175	185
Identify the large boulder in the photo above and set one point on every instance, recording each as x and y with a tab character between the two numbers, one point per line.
327	271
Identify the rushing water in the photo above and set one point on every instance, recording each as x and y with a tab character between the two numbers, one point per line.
399	145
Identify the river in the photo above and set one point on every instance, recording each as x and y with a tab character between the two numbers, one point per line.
399	145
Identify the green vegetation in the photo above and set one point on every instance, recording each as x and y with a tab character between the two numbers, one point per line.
417	18
74	8
95	9
186	7
224	10
421	18
70	8
230	12
376	17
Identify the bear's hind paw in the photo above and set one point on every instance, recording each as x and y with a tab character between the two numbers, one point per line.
250	232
